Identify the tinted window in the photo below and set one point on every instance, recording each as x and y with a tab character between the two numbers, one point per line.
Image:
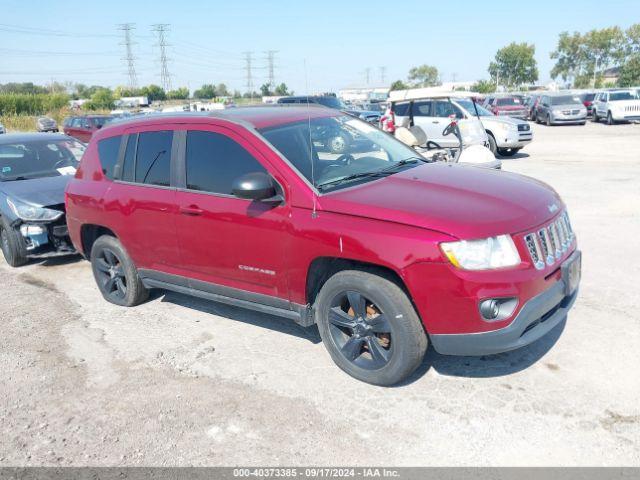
108	153
153	159
401	109
287	100
128	164
422	109
214	161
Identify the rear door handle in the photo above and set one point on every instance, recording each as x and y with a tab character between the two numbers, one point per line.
192	210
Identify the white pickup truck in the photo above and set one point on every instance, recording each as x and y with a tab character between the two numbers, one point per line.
622	105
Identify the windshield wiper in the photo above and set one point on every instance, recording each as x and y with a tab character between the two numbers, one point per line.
377	173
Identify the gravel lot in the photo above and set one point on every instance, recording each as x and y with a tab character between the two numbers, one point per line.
179	381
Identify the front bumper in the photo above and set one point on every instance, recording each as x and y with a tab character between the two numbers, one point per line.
45	239
568	119
514	139
535	319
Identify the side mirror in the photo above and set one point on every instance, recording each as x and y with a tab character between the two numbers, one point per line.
256	186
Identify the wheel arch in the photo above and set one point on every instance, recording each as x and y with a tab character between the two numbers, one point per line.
89	233
322	268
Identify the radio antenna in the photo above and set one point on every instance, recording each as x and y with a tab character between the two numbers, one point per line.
314	212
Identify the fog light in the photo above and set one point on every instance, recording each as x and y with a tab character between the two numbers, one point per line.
490	309
30	230
495	309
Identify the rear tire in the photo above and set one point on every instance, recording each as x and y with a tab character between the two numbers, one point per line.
370	328
13	248
595	118
115	274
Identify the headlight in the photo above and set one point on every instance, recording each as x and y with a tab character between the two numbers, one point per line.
485	254
32	214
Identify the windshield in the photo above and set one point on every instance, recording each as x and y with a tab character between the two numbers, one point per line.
331	102
565	100
39	158
508	102
340	147
101	121
468	106
626	95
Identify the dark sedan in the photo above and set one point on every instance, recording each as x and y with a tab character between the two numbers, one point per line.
34	172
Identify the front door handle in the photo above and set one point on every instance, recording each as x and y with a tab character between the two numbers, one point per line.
435	121
192	210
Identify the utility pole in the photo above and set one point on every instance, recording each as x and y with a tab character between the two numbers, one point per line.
270	67
165	78
383	74
367	72
127	28
248	60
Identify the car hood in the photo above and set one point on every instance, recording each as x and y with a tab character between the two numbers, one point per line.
509	108
494	119
463	201
40	192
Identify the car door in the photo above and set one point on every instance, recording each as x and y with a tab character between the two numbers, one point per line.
226	241
422	114
84	129
602	104
142	199
442	110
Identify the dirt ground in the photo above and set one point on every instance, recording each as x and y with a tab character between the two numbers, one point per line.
179	381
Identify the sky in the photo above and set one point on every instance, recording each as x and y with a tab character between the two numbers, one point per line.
321	45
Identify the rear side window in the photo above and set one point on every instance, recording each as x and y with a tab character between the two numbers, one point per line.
214	161
153	158
422	109
401	109
108	153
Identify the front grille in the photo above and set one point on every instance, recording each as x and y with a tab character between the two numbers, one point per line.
632	108
524	127
547	245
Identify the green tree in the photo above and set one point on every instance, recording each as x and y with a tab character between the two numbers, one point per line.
569	56
424	76
514	65
282	90
630	72
222	90
102	99
399	85
153	93
483	86
265	90
178	94
208	90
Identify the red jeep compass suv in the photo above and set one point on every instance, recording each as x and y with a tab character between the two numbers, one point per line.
381	249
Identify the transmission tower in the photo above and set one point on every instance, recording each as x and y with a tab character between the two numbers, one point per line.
383	74
270	67
165	78
127	28
248	59
367	72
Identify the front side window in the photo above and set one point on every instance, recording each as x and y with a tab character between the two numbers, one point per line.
214	161
445	109
39	158
333	152
153	158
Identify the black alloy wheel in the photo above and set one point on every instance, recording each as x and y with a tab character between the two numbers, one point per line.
360	330
111	275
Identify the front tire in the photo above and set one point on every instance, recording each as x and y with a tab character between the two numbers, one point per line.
115	273
493	146
370	328
610	120
13	248
508	152
548	120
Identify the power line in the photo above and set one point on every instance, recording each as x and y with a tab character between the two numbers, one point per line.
270	68
165	78
248	59
131	69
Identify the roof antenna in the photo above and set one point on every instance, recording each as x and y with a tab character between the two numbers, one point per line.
314	212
